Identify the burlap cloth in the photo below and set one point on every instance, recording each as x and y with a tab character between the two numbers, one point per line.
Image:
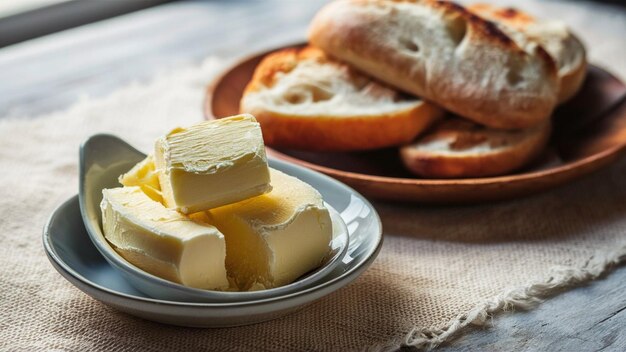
440	268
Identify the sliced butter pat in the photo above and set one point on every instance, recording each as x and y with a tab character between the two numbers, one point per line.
212	163
163	242
144	175
273	239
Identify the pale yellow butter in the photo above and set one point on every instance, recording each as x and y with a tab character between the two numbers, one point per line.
254	235
273	239
163	242
212	163
144	176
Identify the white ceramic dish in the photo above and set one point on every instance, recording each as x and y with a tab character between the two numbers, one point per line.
73	254
100	168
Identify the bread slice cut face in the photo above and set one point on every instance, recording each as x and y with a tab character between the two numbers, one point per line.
444	53
305	100
554	36
456	148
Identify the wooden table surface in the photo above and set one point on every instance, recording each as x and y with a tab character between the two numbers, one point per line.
51	73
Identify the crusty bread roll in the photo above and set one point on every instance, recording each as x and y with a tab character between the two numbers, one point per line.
442	52
554	36
457	148
304	100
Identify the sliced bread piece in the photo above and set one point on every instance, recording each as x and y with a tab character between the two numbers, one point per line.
305	100
554	36
457	148
444	53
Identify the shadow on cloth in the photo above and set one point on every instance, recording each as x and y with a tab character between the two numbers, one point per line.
572	209
341	317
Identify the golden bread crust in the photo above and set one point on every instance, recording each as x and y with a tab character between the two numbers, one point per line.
563	46
329	133
455	148
442	52
295	127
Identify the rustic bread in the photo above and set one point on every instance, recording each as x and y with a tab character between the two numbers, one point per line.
456	148
305	100
442	52
554	36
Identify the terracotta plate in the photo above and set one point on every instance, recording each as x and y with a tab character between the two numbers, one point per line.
589	133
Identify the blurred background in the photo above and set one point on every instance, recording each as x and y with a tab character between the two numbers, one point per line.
52	52
26	19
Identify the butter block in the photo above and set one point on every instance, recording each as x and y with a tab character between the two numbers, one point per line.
273	239
212	163
144	175
163	242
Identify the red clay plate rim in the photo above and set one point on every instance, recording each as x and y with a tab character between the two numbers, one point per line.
592	161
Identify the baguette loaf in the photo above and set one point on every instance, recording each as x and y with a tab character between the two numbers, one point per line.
442	52
304	100
456	148
554	36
